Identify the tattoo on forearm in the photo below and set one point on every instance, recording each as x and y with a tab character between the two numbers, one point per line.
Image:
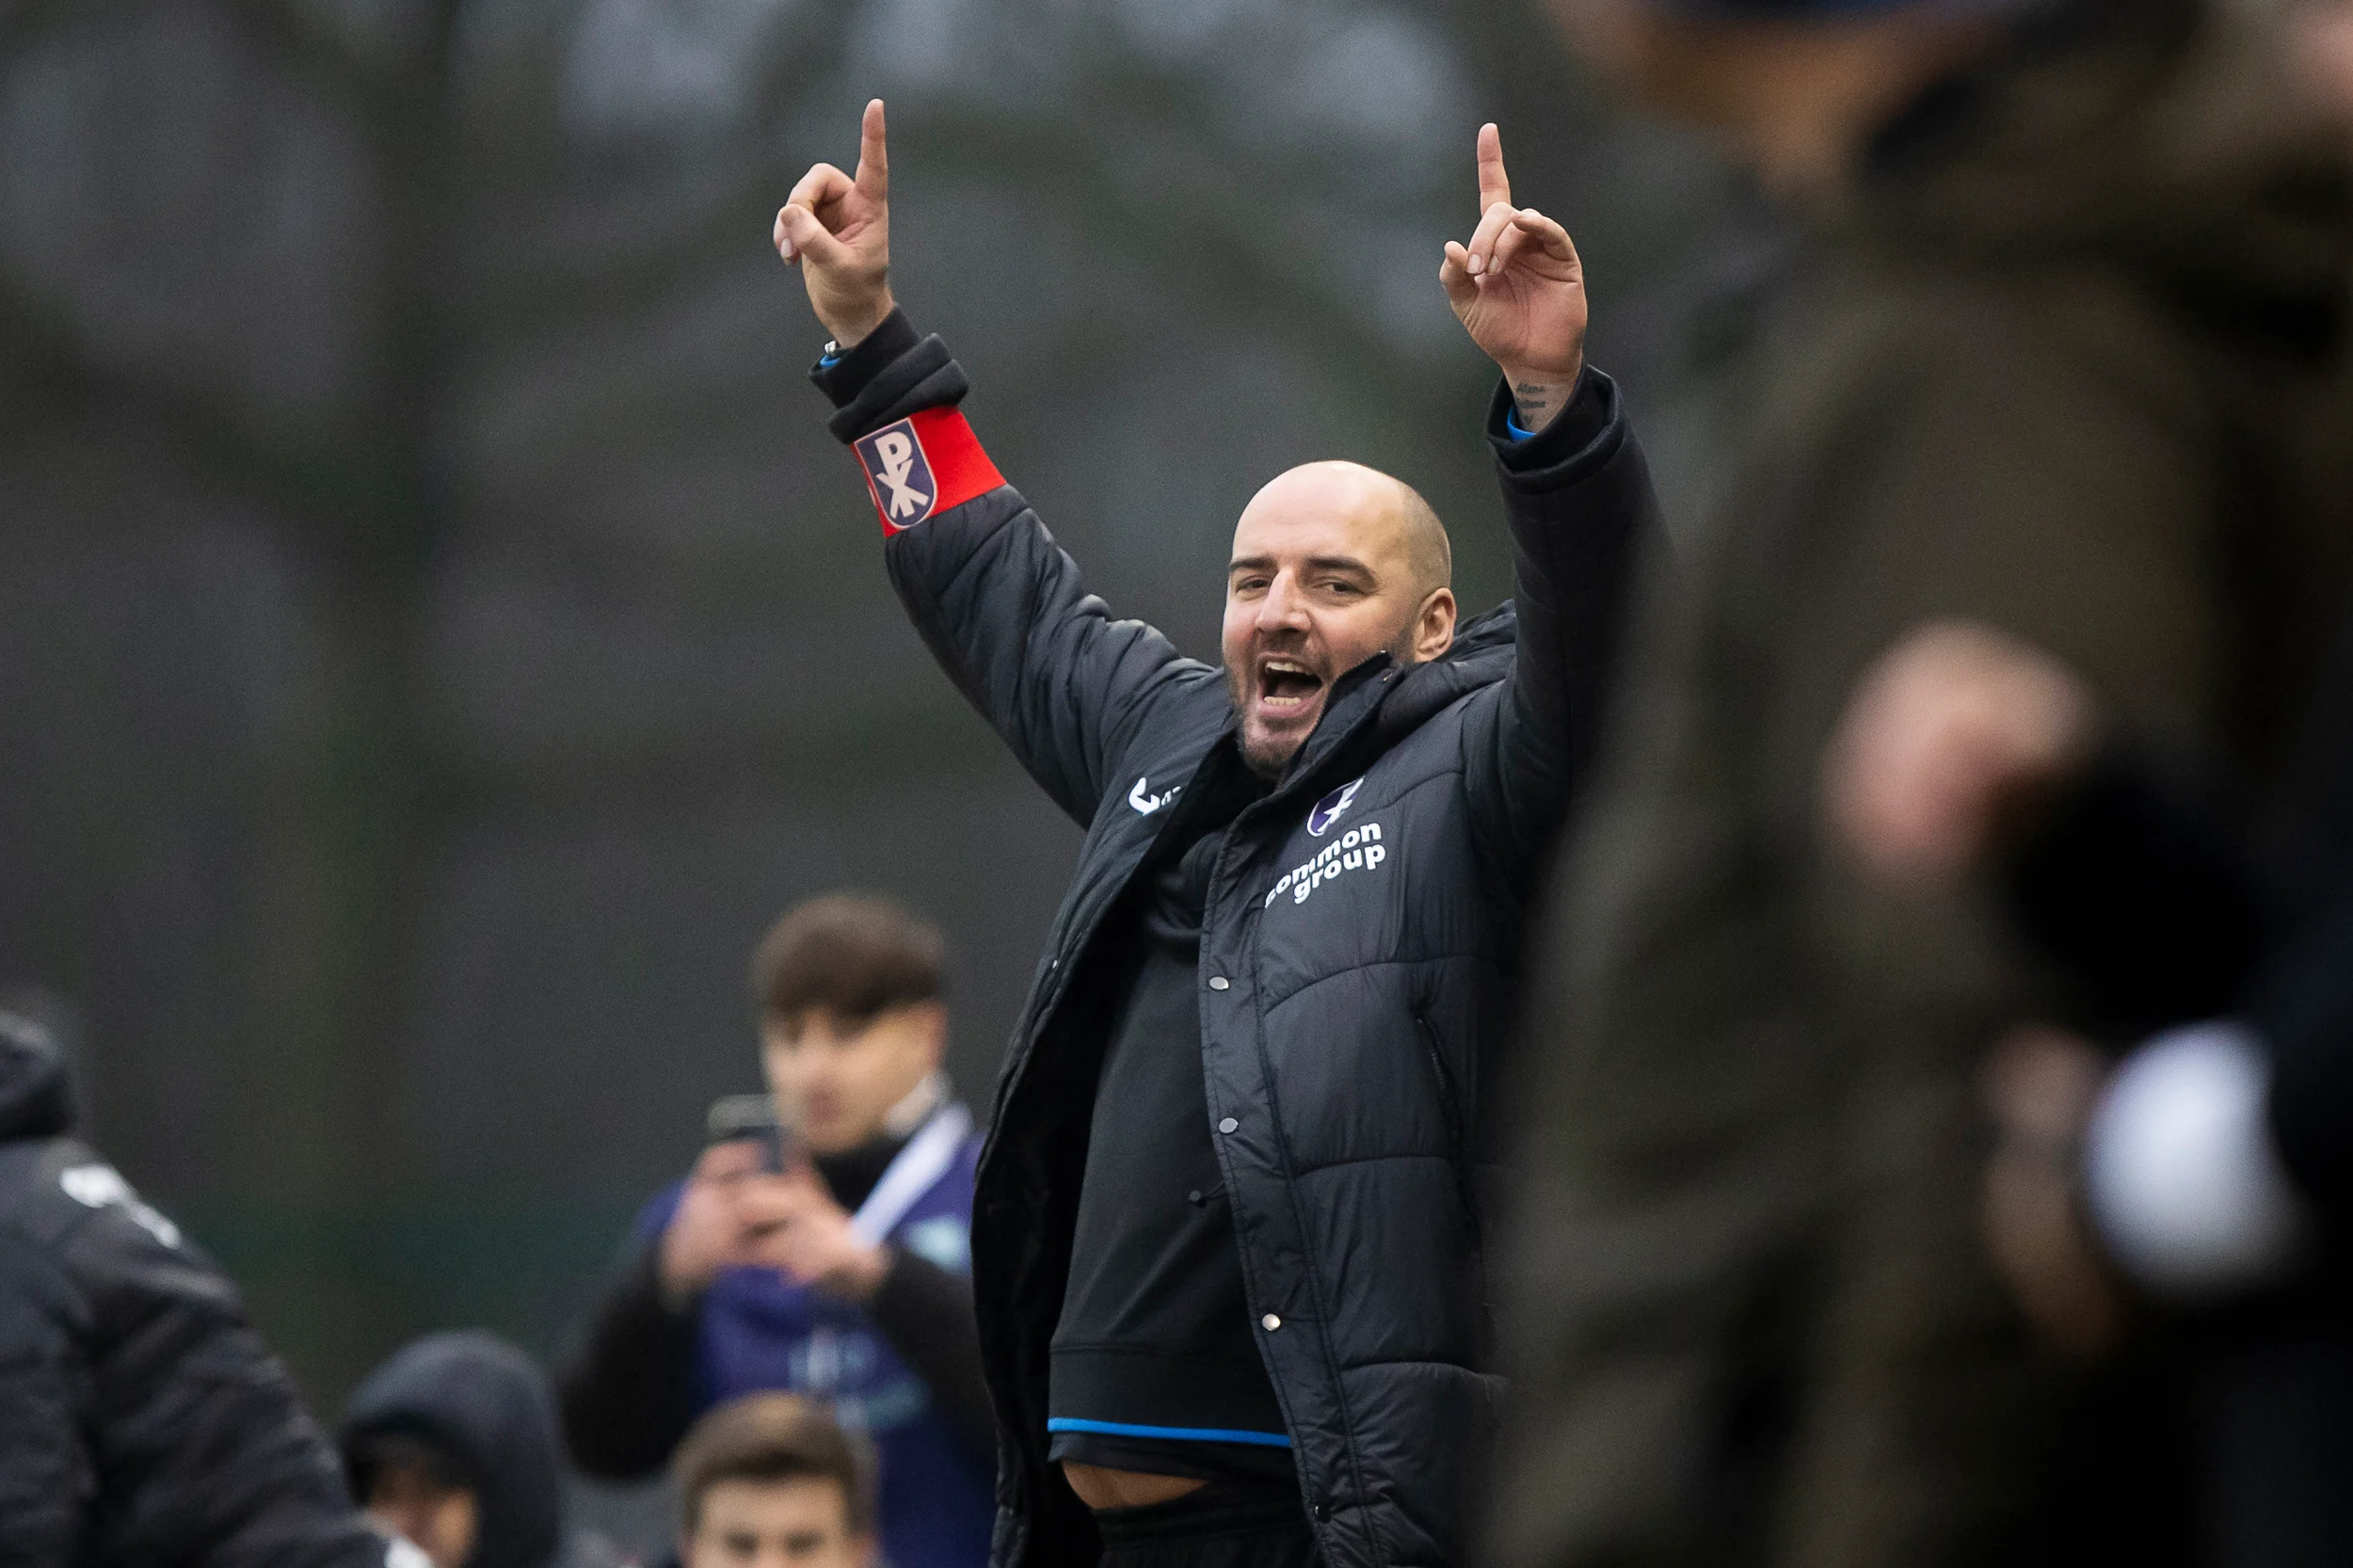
1534	401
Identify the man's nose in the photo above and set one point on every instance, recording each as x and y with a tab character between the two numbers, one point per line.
1285	608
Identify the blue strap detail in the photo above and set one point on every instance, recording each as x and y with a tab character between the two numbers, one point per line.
1177	1435
826	361
1511	425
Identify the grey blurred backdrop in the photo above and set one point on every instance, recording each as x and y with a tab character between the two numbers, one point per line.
437	635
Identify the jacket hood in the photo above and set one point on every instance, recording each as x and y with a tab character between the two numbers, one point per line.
486	1405
36	1095
2160	135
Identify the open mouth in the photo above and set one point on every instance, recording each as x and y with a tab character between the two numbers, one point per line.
1285	686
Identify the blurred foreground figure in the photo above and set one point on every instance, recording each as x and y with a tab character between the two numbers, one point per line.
2206	1183
142	1421
2326	47
451	1444
772	1481
824	1249
2064	356
1227	1245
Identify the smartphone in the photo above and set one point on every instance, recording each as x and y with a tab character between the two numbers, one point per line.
749	1118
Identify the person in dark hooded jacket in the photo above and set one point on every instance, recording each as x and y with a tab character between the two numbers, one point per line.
453	1443
142	1420
1228	1232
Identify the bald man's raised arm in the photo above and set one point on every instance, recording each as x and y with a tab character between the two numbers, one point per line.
1583	518
1000	604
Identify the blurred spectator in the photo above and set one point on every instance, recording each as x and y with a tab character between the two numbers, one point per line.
141	1420
836	1268
2213	1163
771	1479
2063	357
451	1444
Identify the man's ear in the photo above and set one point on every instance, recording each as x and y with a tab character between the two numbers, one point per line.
1433	627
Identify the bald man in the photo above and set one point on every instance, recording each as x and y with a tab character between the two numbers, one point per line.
1228	1232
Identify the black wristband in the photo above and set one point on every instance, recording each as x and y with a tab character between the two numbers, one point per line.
842	377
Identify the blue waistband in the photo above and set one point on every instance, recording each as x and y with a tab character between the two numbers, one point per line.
1174	1434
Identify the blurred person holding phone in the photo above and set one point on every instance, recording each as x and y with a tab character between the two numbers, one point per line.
821	1245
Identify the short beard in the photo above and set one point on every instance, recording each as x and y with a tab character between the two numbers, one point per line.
1265	765
1271	767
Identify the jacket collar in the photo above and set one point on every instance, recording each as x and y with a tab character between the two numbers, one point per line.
1372	708
1380	702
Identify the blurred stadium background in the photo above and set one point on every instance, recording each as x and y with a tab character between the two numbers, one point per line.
437	635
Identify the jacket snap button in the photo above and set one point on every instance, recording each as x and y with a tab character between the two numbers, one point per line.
1227	1125
1322	1512
1272	1322
1219	983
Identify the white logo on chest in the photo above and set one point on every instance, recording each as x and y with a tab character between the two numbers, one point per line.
1358	848
1328	809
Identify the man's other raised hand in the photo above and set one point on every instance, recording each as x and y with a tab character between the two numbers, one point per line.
1519	289
837	230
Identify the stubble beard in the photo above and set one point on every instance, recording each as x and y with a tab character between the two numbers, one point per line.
1269	757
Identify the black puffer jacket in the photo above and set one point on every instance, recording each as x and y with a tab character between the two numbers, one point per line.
142	1421
483	1403
1355	957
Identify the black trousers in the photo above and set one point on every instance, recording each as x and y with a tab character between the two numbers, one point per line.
1224	1524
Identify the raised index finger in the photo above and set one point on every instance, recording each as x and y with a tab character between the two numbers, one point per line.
873	154
1494	184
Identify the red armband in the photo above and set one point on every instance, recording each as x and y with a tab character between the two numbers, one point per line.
923	465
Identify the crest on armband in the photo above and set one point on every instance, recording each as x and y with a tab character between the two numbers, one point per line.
898	475
920	466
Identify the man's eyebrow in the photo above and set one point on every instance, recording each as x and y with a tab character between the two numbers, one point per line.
1313	563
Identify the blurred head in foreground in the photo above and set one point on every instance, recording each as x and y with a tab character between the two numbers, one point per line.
2325	53
772	1481
852	1020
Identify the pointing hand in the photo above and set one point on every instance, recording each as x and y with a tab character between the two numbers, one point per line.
1519	289
836	231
